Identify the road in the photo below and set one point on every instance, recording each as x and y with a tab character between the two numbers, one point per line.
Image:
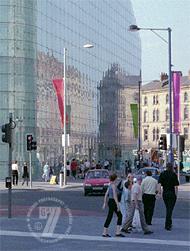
80	223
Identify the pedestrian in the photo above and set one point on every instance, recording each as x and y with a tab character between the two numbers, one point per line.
74	167
127	167
106	164
136	203
149	189
46	172
169	182
68	168
15	173
113	205
98	165
125	199
86	166
25	174
51	172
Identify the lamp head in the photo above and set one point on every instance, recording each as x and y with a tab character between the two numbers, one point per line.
133	27
88	46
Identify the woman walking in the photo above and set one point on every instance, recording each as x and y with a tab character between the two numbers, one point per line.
113	205
25	174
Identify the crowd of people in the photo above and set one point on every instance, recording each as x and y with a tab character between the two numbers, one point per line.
74	168
135	194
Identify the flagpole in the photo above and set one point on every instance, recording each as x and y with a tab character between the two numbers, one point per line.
65	134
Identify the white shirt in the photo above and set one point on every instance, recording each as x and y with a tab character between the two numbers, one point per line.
15	167
68	167
149	185
136	189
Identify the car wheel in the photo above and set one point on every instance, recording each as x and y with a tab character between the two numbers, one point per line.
187	178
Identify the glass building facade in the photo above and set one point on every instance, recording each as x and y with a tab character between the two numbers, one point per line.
33	35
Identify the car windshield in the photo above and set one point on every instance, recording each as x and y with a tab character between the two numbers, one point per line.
97	175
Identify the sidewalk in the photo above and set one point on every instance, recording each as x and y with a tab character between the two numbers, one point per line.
41	185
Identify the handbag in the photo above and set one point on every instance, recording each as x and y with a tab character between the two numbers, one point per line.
119	190
136	221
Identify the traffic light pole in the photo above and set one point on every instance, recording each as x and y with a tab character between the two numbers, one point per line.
30	166
10	172
179	158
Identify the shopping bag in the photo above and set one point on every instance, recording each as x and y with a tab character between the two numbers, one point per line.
136	221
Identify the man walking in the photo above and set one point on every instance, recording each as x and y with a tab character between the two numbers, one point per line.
15	173
149	189
168	180
136	203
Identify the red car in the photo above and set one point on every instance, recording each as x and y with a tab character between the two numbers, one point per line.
96	181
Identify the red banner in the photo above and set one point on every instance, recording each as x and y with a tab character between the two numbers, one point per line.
58	86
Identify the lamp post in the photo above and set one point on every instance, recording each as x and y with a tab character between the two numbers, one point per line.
139	122
136	28
64	125
88	46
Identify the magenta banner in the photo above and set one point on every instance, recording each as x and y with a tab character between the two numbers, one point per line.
176	101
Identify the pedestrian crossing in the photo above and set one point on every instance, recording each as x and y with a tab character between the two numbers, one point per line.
97	238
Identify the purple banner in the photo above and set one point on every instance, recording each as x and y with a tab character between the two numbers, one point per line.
176	101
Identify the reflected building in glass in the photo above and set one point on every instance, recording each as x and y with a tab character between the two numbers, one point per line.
33	34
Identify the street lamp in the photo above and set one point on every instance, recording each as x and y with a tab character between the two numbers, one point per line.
136	28
88	46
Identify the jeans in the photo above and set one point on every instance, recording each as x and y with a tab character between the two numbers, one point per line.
169	200
112	208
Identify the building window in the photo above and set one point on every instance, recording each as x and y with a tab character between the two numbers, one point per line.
186	113
157	100
157	115
145	116
167	98
145	134
186	132
154	116
157	134
167	114
154	100
145	100
185	97
154	134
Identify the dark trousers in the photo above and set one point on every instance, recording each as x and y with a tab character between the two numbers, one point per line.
74	172
149	204
113	208
15	177
169	200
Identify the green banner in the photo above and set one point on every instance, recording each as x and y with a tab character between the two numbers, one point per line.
68	119
134	111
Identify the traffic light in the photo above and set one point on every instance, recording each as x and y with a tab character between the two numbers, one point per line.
29	142
6	133
163	142
31	145
181	143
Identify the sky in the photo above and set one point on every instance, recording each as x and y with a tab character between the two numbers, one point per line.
163	14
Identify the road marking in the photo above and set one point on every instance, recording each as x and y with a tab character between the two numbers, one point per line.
97	238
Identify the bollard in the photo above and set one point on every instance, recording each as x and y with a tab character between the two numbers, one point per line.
61	179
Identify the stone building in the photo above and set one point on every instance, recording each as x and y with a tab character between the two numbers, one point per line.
155	111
